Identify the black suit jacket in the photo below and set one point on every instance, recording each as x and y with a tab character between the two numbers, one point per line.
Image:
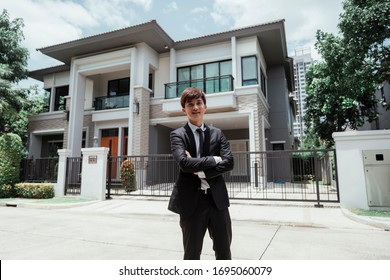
185	193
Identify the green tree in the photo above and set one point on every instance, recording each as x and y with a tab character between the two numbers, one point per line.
341	87
11	151
31	105
13	66
365	25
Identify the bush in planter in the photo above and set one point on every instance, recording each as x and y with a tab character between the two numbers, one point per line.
128	176
34	190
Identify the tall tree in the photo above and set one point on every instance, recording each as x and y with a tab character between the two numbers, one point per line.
341	87
365	25
13	66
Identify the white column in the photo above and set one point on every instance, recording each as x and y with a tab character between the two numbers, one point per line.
133	79
172	66
59	187
76	118
94	173
234	61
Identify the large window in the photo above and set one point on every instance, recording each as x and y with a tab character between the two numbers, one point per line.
263	83
118	87
60	93
249	71
210	77
46	99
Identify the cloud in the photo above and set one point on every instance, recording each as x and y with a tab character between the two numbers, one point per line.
302	18
48	23
170	7
200	10
146	4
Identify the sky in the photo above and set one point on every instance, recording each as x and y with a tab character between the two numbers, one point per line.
50	22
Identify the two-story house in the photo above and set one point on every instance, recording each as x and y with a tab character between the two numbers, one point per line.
121	90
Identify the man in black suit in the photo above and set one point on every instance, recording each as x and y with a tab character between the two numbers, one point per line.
199	194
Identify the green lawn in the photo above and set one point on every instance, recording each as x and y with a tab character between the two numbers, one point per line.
372	213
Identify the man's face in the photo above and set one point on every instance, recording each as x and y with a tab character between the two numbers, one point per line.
195	109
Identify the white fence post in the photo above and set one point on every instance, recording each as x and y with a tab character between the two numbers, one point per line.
94	173
59	187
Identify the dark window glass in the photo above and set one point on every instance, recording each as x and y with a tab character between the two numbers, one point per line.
206	76
60	93
278	147
263	81
46	99
119	87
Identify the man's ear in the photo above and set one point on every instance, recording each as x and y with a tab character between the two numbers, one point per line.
183	110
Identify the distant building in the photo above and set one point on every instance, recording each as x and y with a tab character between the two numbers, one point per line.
302	61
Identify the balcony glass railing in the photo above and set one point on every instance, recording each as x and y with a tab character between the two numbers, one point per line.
208	85
112	102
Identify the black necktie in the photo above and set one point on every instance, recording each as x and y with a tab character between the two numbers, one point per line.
200	132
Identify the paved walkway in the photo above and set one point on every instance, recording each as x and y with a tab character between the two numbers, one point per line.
143	229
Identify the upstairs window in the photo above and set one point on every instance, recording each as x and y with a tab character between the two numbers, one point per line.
46	99
59	101
263	83
210	77
249	70
118	87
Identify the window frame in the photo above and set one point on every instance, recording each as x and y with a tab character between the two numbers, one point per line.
119	82
251	80
203	82
59	92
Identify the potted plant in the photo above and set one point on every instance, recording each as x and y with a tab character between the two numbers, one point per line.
128	176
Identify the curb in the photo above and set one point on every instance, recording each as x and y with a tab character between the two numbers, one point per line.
383	223
35	205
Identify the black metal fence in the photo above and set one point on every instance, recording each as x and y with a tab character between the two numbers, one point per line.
303	175
39	170
73	175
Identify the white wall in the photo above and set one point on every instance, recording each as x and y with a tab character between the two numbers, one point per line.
161	76
350	165
203	54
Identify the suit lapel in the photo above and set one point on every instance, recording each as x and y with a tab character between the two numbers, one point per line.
206	144
191	138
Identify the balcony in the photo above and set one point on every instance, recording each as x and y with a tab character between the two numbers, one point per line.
208	85
111	102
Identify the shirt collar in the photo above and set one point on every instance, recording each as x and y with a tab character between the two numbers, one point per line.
194	127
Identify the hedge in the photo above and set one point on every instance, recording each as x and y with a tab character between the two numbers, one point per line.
34	190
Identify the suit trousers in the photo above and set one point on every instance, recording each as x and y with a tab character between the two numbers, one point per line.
206	216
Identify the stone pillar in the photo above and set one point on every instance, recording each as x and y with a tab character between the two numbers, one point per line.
59	187
94	173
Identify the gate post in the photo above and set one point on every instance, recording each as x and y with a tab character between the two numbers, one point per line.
94	173
59	187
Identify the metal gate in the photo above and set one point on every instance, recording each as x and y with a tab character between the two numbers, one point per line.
73	175
298	175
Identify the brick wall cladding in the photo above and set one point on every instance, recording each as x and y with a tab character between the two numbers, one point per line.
253	102
51	124
156	112
90	125
141	123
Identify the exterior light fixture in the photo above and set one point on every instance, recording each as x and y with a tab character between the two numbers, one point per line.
136	107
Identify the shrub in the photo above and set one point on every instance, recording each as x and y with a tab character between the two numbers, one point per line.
34	190
6	191
128	176
11	151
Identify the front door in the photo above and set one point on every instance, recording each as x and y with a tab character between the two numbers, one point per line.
110	140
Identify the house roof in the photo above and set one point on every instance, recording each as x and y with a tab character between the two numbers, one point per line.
150	32
271	37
